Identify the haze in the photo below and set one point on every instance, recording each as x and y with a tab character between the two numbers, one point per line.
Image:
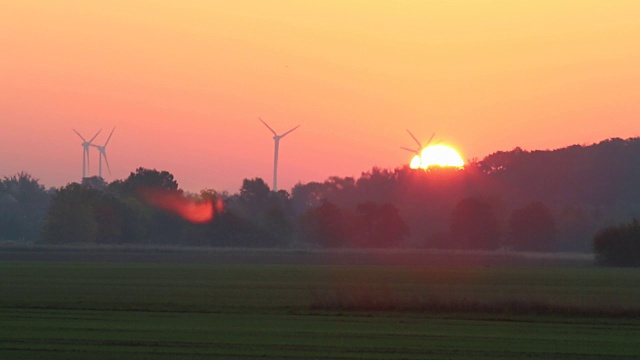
184	82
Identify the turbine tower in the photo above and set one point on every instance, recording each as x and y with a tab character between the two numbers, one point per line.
103	154
85	151
276	139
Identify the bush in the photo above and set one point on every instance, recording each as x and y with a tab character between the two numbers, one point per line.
618	245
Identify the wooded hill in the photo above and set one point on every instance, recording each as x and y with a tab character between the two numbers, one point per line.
583	188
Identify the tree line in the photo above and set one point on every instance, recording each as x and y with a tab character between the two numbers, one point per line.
553	200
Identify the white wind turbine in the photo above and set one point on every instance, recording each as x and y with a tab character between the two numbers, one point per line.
276	139
85	151
103	154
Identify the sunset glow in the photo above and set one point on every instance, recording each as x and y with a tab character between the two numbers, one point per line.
185	81
440	155
437	155
416	161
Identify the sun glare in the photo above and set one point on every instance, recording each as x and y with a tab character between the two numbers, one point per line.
415	162
437	155
195	211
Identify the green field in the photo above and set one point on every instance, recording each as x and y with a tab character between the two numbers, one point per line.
109	310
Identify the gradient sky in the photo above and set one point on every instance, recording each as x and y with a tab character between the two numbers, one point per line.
184	82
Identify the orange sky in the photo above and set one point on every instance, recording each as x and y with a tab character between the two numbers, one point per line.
184	82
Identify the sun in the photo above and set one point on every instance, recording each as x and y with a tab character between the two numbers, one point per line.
415	162
437	155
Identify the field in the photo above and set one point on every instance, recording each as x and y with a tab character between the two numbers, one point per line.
102	305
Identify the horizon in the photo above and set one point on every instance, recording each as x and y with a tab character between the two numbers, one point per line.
185	84
267	180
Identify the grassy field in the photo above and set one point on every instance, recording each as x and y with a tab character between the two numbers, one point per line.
108	310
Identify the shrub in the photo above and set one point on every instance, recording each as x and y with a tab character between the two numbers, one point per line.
618	245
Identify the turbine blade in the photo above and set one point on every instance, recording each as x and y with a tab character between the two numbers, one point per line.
415	138
104	153
412	150
94	136
109	138
81	137
265	124
283	135
431	138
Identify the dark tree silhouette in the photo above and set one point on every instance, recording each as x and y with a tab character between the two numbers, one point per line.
80	214
266	214
95	182
144	179
24	203
307	196
254	197
379	225
532	228
618	245
24	188
474	225
71	218
325	225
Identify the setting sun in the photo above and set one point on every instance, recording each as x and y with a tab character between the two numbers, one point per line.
437	155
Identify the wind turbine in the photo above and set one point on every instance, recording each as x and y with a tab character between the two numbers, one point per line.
417	158
420	147
103	154
276	139
85	151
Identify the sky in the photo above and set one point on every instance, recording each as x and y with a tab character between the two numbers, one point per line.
184	83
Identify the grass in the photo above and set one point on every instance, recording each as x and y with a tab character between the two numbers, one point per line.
230	288
69	334
586	291
108	310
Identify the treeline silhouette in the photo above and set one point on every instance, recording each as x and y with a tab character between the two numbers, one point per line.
552	200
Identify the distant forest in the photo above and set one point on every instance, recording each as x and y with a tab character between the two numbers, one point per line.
551	200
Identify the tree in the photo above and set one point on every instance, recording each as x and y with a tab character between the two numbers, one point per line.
141	185
255	192
144	179
24	188
618	245
120	220
23	207
137	218
81	214
277	228
95	182
532	228
306	196
325	225
474	225
71	218
258	216
379	225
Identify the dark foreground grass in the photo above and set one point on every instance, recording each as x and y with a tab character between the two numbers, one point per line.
191	311
84	334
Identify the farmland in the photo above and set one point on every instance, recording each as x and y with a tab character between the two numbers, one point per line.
267	306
